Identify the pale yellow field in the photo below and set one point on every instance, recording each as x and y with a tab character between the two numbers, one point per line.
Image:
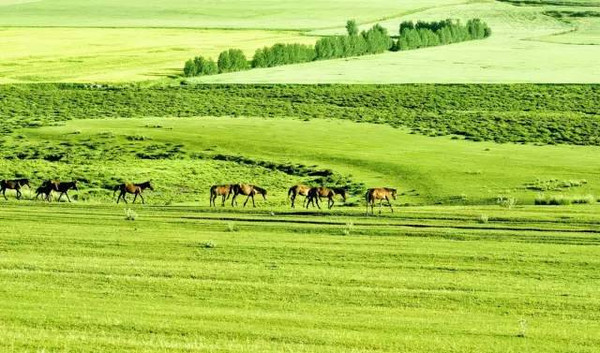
118	54
518	51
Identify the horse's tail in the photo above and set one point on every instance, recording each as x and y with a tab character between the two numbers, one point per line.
291	192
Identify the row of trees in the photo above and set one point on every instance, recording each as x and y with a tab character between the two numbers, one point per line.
283	54
373	41
428	34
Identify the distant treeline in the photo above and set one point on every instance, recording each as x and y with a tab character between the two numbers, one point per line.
372	41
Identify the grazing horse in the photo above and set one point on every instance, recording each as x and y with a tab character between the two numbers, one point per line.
63	188
224	191
15	184
131	188
247	190
46	189
342	192
380	194
315	194
296	190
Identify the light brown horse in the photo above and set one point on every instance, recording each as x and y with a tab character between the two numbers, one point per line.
224	191
380	194
131	188
296	190
247	190
64	187
45	190
14	184
315	194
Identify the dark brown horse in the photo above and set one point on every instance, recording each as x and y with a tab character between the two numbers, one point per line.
45	190
296	190
224	191
380	194
131	188
64	188
341	191
14	184
315	194
247	190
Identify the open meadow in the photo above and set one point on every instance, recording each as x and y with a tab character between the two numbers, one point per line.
182	279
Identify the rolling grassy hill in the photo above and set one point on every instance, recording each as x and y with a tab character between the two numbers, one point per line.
428	170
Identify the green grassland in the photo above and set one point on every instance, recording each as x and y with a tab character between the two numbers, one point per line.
185	280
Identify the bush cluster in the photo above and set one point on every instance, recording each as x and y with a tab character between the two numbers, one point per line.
427	34
521	113
200	66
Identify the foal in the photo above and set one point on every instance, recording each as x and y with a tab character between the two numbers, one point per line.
220	190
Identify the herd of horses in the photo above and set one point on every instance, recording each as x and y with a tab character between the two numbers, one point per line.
312	195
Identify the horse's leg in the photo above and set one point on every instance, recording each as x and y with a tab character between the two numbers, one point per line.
247	198
136	195
293	198
389	204
233	199
18	194
4	193
223	198
142	197
380	205
316	199
67	194
253	204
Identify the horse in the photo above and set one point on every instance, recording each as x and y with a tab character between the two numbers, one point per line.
131	188
14	184
315	194
341	191
46	189
247	190
380	194
224	191
296	190
63	188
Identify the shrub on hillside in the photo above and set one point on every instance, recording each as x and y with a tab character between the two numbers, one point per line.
232	60
200	66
